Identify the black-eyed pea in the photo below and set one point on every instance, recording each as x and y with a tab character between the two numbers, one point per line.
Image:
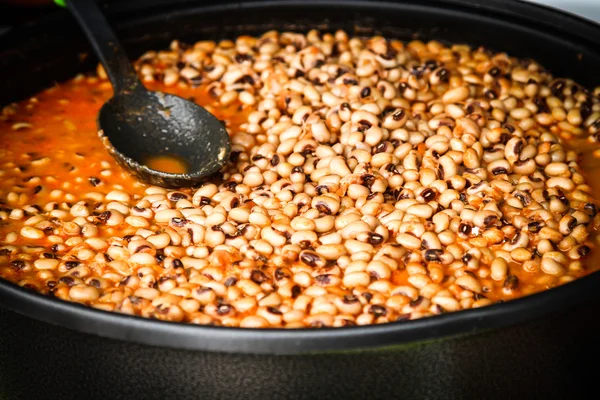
45	264
262	246
30	232
83	293
468	282
550	234
408	241
159	241
259	219
118	195
430	290
356	279
301	223
253	321
365	319
80	210
499	269
97	244
378	270
521	254
348	304
447	303
331	251
419	280
319	320
142	259
551	267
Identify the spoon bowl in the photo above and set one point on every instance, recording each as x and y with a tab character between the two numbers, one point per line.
139	125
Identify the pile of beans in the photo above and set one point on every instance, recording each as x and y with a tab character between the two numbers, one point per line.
370	181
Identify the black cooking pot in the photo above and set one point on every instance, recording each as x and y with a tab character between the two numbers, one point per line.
541	346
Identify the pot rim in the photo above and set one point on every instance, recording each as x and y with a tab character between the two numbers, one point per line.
177	335
140	330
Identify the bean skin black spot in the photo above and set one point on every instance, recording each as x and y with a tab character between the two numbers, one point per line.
402	86
403	317
443	74
465	229
95	283
258	276
583	250
71	264
349	299
534	227
374	238
323	279
281	274
490	220
17	265
309	258
224	309
494	72
232	280
490	94
522	198
178	222
380	148
177	196
416	302
275	160
433	255
323	208
273	310
564	200
511	282
240	58
67	280
591	209
296	291
204	201
428	194
104	216
378	311
478	296
398	115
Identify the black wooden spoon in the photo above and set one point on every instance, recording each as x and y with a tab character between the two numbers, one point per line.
136	125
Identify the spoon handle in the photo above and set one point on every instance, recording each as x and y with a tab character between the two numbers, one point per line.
119	69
